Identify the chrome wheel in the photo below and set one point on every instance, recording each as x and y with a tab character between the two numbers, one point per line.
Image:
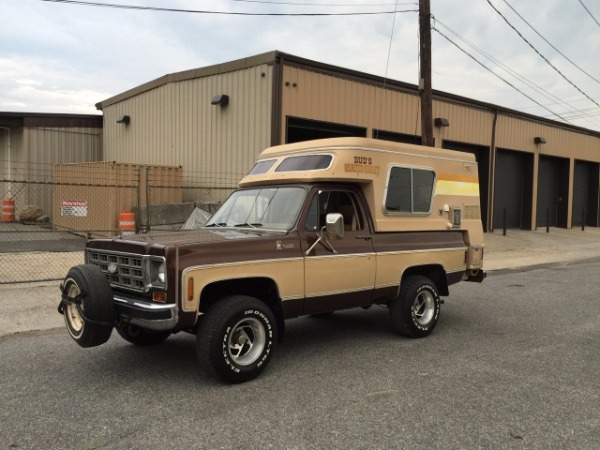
247	341
423	308
72	314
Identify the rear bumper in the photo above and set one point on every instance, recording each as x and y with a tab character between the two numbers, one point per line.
476	275
152	316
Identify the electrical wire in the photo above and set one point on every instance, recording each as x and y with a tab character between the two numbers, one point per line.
324	4
547	42
589	12
542	56
498	76
228	13
540	90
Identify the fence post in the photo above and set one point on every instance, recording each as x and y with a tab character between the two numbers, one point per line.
148	199
548	220
504	222
137	201
582	219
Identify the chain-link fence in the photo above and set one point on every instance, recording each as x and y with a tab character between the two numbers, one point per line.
49	211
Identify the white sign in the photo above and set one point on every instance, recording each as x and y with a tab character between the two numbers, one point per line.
74	208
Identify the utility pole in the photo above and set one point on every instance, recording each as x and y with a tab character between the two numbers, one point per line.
425	75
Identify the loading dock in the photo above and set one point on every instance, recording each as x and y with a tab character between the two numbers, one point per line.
585	194
513	189
553	192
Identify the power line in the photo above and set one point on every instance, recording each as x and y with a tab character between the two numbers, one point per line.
228	13
498	76
542	56
324	4
589	12
540	90
547	42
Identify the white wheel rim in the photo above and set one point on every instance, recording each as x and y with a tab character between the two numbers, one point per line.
246	341
424	308
72	314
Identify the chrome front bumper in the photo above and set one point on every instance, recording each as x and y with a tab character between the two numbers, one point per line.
152	316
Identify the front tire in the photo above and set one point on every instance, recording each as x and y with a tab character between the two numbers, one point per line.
416	310
87	305
140	336
236	338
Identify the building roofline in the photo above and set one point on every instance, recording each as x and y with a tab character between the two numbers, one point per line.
278	57
15	119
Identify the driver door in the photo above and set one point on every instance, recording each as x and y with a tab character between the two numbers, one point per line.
339	273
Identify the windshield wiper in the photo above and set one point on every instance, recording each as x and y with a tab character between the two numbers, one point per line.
251	225
222	224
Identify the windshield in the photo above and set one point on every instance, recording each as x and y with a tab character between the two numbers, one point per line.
274	208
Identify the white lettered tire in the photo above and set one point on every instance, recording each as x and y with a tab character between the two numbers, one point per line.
87	305
236	338
416	310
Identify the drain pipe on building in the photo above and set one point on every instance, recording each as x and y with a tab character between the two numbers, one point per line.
8	162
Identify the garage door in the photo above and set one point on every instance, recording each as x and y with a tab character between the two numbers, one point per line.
513	189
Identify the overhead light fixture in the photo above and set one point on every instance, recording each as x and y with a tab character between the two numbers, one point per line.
123	119
539	140
441	122
220	100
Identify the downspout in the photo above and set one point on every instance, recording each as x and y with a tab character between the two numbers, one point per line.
492	175
9	160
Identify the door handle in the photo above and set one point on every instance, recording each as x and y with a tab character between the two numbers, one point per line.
366	238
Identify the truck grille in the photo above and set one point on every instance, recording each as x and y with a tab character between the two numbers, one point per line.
122	270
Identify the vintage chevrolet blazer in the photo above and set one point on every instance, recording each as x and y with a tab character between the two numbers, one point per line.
314	227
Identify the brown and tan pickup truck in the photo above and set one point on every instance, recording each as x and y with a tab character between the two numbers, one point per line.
314	227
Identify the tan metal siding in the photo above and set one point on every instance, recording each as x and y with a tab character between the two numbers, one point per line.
324	97
34	153
470	125
175	124
518	134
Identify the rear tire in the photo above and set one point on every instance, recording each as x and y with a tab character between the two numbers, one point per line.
90	316
236	338
416	310
140	336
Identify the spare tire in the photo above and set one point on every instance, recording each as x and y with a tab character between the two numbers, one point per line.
87	305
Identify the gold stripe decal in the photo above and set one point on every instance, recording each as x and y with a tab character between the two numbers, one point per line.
452	187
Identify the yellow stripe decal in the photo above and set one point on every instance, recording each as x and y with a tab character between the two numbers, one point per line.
447	187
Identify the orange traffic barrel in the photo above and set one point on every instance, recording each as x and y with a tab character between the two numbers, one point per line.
127	222
8	210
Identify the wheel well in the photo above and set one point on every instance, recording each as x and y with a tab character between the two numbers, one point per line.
434	272
263	289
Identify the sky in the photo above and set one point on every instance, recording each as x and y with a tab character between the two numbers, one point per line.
62	57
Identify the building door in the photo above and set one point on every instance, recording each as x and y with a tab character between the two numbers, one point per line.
585	194
298	129
553	192
513	184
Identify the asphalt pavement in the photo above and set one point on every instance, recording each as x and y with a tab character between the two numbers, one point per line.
32	307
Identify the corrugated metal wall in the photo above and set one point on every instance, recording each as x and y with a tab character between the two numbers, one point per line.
35	150
175	124
313	95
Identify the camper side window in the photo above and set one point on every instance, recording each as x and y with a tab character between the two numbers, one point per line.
409	190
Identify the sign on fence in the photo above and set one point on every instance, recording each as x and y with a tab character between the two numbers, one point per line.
74	208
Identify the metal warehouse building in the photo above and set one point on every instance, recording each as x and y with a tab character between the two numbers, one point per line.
214	121
32	143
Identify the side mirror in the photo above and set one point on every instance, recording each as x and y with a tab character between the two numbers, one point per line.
334	226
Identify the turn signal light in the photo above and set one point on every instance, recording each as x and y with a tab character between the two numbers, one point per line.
190	292
159	296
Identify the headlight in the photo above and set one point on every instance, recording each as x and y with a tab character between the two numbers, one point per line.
161	273
157	274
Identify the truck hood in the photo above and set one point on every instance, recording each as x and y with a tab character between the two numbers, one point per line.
144	242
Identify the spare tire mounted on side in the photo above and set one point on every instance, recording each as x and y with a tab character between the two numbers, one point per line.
87	305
